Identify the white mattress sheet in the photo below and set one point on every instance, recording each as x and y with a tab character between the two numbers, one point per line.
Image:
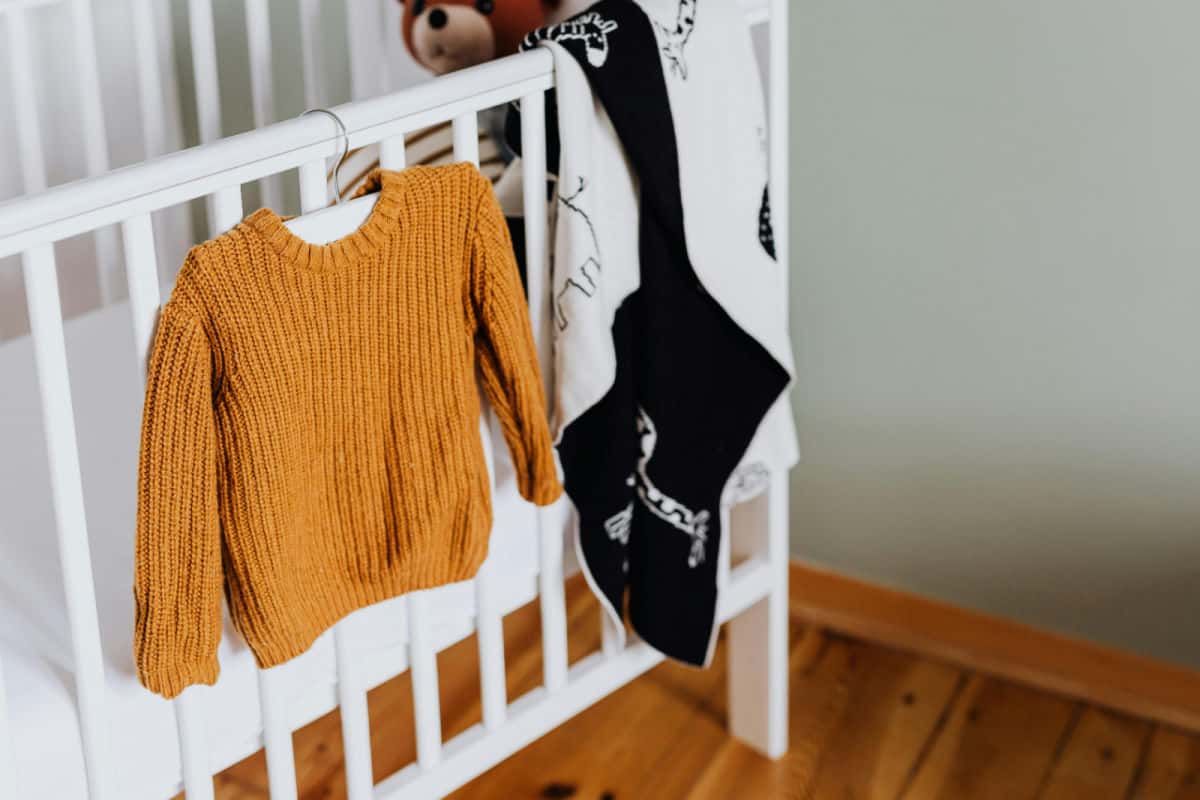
34	640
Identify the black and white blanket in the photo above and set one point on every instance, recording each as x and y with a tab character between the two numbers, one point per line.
671	351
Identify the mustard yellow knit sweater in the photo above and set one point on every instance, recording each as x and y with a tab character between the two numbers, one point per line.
310	443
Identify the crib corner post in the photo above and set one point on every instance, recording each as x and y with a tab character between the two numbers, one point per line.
758	637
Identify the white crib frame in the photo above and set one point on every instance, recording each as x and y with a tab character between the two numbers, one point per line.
754	594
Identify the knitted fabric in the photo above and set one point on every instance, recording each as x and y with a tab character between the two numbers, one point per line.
311	443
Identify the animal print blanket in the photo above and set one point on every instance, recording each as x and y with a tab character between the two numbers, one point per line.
671	353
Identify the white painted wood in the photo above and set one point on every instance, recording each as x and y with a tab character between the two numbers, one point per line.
66	483
226	207
394	51
489	630
466	137
150	84
391	153
8	768
262	86
550	550
422	661
758	638
310	52
610	636
176	178
193	744
141	274
314	188
87	76
533	166
204	69
368	68
758	674
489	627
277	734
95	137
24	103
356	726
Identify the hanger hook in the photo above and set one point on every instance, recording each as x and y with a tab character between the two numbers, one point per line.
345	137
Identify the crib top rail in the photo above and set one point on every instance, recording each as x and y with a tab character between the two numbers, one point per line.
87	204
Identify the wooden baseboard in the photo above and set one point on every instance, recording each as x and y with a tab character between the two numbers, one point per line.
1101	675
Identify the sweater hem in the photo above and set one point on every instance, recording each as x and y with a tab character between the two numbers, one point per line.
350	598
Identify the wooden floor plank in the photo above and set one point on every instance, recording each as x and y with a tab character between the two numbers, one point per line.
706	761
859	722
1100	758
1171	768
999	742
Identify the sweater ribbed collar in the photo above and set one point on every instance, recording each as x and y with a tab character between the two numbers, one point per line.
358	246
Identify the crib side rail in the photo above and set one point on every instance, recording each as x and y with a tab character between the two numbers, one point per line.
217	171
83	206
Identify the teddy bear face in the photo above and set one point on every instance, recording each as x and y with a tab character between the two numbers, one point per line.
446	35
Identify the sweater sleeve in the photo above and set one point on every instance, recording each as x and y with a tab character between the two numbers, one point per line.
507	355
177	570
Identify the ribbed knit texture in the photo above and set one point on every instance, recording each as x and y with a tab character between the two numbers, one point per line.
310	443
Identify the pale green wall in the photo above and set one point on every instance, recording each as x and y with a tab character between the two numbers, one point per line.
996	307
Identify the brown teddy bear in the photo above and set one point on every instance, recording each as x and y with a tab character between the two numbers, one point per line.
447	35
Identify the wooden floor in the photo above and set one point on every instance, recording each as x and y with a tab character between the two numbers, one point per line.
867	723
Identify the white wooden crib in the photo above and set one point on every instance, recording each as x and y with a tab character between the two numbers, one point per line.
74	722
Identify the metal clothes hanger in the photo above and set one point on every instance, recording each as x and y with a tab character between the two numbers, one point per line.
345	137
342	218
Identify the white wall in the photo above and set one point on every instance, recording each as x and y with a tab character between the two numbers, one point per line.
996	290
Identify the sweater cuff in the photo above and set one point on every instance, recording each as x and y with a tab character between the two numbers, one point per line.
538	482
169	681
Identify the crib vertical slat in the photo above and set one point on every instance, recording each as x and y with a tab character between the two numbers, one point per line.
150	89
8	769
95	138
141	273
204	67
356	726
394	50
391	153
310	52
466	138
66	484
277	735
367	65
423	662
489	628
550	578
226	206
314	188
193	745
758	655
262	84
29	135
